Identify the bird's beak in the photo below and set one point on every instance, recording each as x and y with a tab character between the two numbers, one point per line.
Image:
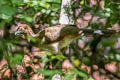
18	32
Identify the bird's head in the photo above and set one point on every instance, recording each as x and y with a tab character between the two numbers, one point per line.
23	29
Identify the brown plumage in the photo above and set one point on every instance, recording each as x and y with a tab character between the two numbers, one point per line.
57	37
52	38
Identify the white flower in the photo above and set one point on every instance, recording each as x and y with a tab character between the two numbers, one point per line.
56	77
107	9
107	14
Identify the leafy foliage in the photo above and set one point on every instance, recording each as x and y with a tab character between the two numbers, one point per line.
87	56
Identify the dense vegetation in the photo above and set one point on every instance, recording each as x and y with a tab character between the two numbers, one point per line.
90	57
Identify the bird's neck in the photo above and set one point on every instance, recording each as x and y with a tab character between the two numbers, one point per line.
31	33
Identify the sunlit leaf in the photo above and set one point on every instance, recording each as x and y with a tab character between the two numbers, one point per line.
117	57
17	1
82	1
25	17
59	57
6	12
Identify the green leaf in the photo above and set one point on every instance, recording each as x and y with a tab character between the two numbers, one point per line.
59	57
3	2
69	76
108	42
55	7
48	53
112	56
49	72
57	1
17	1
2	23
88	79
82	2
86	60
80	73
44	4
117	57
44	59
25	17
17	59
6	12
106	3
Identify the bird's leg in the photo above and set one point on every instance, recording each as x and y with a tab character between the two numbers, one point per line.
66	41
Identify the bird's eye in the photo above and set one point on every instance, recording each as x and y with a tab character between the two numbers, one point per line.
21	29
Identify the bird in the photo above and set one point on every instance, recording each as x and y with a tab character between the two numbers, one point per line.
57	37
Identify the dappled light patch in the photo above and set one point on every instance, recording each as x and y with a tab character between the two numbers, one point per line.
66	64
111	67
93	2
7	73
2	32
21	69
26	60
87	16
37	77
96	75
102	4
81	23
